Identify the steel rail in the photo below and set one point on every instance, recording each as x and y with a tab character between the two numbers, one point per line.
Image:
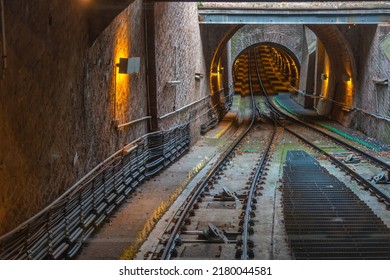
338	141
245	235
354	174
359	178
167	253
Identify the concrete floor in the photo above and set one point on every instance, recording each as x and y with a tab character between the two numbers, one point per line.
125	227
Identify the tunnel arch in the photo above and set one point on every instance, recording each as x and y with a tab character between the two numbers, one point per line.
343	69
285	60
343	66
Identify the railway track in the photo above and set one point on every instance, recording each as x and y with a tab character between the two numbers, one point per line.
228	217
216	220
323	218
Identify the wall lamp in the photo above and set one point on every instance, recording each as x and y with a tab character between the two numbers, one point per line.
126	66
382	82
217	70
129	65
199	76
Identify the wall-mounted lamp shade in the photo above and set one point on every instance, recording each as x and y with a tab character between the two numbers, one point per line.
381	81
129	65
199	76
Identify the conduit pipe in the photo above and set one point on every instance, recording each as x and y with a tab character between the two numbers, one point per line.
4	56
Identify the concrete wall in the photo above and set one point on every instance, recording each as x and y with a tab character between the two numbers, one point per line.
43	146
354	50
289	36
179	55
62	97
112	98
372	64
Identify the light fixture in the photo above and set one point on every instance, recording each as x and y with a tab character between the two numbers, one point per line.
216	70
381	81
128	65
199	76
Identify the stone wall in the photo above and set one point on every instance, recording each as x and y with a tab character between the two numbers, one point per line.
179	55
372	65
43	146
62	98
111	98
289	36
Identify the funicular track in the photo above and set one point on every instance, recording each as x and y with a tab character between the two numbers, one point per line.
216	220
323	218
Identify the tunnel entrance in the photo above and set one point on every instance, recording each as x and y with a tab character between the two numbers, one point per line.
278	69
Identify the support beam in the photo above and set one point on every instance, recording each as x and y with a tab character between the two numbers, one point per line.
243	16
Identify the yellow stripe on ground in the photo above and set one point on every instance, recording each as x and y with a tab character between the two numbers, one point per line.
225	127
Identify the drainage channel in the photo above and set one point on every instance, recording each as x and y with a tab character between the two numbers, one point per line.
324	219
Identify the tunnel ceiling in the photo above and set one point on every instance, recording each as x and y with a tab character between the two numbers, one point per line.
100	14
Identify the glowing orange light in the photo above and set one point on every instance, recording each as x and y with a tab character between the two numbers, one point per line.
121	82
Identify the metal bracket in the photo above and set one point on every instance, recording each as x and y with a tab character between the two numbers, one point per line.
351	159
381	178
213	231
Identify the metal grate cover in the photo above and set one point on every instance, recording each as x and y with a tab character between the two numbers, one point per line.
324	219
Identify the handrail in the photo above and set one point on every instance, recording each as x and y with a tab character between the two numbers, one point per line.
184	107
133	122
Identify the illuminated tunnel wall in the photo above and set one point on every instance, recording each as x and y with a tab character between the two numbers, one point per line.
340	86
340	64
278	69
216	39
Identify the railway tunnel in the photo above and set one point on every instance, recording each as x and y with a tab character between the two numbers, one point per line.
111	110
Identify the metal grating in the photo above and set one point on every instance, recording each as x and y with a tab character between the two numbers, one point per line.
324	219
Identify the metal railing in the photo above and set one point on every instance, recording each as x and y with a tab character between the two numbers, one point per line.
58	231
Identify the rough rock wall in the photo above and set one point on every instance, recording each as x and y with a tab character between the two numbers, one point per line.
112	98
42	121
368	43
179	55
57	101
289	36
61	99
